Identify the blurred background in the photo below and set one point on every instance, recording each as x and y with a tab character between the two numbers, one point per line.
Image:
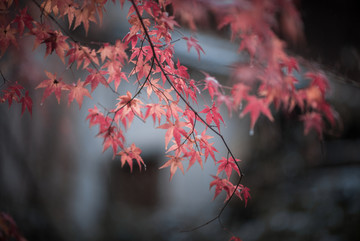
58	185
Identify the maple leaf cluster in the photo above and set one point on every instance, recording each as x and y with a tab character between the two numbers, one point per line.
14	92
266	79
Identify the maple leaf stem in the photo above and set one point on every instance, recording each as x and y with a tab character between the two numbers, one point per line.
196	144
2	75
193	110
188	136
172	42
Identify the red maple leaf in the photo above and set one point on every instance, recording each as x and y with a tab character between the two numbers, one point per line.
156	111
136	25
7	37
175	162
255	106
52	85
194	156
211	84
328	112
181	70
238	93
77	92
114	52
113	137
193	42
22	20
205	145
245	192
227	165
131	39
251	43
227	100
115	74
168	21
174	130
82	55
130	153
142	68
41	32
68	8
94	116
56	41
13	92
152	85
95	77
129	106
173	110
313	120
84	15
212	114
319	80
234	238
26	102
290	64
220	185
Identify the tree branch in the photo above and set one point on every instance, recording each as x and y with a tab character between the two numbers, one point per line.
196	114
